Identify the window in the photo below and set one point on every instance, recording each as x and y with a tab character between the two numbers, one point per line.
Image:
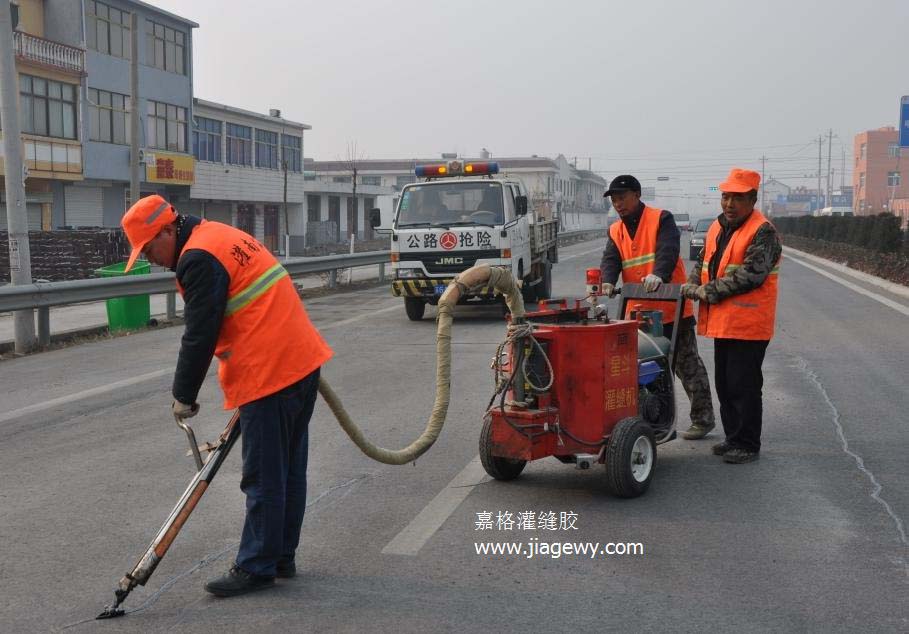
861	180
292	152
267	149
862	150
165	48
372	180
109	117
893	150
893	179
207	139
107	29
313	208
165	126
404	180
239	144
341	179
47	108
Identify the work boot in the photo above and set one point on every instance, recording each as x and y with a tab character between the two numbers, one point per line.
721	448
237	581
286	569
697	431
740	456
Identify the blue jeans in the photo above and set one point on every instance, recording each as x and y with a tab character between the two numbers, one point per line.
275	434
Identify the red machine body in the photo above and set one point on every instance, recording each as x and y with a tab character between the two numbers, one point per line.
594	386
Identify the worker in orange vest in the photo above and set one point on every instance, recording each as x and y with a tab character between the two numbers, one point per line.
241	306
643	247
735	282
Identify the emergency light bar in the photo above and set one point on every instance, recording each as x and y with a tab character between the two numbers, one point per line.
457	168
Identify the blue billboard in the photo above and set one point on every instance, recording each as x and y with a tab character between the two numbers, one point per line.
904	121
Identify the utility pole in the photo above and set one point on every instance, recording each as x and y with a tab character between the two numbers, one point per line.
829	149
820	145
763	182
843	171
134	178
20	263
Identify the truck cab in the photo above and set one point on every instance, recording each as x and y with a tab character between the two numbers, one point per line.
461	214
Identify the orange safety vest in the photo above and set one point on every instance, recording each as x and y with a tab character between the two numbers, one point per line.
748	315
266	341
638	256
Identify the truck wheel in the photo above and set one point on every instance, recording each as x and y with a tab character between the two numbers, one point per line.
630	458
544	288
499	468
415	308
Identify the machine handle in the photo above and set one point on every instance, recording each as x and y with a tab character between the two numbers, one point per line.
193	445
665	293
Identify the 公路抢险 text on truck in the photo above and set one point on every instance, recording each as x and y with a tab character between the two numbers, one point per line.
463	213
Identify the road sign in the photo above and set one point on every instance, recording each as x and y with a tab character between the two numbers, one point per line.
904	121
662	178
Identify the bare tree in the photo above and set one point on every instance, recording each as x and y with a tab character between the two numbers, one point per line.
352	161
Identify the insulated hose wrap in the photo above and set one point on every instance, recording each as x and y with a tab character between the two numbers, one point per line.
500	279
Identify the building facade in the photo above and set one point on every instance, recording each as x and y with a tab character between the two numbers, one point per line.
50	61
881	174
164	105
249	171
554	187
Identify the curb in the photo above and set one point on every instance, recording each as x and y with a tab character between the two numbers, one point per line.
887	285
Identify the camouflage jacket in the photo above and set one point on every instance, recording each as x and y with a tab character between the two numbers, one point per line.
760	258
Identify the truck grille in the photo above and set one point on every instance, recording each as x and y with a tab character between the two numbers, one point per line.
441	262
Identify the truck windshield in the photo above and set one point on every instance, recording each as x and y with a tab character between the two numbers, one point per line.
452	203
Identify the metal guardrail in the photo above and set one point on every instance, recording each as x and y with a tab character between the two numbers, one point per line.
44	295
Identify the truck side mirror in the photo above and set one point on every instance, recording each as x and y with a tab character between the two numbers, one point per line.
375	217
520	205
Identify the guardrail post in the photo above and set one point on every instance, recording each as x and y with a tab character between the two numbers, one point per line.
171	306
382	272
44	326
333	278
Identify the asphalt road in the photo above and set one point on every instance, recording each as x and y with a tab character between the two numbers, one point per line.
810	538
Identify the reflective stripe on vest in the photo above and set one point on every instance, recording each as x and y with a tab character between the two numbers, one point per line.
639	256
750	315
255	289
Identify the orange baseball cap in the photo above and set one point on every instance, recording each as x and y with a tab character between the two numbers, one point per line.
143	221
740	181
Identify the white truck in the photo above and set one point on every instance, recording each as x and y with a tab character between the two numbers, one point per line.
459	215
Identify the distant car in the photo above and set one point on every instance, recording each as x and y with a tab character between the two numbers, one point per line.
697	237
682	221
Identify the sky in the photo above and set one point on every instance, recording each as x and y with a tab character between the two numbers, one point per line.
678	89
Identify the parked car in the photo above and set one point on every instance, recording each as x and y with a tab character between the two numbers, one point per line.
682	221
697	237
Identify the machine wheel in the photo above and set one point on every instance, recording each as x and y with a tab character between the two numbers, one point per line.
499	468
544	288
415	307
630	458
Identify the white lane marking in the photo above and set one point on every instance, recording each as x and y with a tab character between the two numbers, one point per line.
577	255
104	389
892	287
365	315
94	391
858	289
410	540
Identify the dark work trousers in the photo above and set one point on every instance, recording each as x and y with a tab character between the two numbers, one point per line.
738	385
275	434
691	372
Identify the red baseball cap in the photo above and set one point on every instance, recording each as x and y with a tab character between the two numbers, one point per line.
143	221
740	181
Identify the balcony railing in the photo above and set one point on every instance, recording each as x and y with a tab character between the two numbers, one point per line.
36	49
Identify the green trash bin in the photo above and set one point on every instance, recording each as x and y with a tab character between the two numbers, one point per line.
127	313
